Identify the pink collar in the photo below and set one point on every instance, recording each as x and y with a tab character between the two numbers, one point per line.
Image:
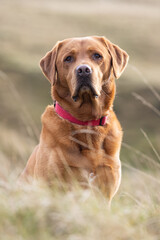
66	115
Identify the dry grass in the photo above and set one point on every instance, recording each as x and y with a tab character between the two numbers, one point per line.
36	212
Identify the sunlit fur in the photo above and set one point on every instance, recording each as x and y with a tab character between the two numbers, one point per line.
68	151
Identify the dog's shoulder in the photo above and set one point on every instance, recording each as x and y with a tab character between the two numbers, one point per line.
54	124
49	118
48	114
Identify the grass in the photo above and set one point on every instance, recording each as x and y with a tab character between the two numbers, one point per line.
36	212
30	28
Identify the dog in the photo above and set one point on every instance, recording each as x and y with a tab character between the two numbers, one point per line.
81	135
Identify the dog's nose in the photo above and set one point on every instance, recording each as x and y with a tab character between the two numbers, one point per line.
83	70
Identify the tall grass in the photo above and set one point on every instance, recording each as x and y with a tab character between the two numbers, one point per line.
36	212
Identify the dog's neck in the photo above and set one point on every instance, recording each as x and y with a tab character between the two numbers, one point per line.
67	116
87	110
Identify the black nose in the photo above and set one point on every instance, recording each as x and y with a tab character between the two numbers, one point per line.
83	70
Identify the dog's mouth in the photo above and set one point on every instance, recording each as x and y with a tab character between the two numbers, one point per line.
85	89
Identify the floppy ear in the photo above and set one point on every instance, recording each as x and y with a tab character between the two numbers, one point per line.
119	58
48	64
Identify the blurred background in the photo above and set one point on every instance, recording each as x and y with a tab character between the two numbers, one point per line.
28	29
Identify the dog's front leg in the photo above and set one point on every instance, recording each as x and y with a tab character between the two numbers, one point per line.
108	179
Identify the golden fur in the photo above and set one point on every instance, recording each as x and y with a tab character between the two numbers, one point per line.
65	147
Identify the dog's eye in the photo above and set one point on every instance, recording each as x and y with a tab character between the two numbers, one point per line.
68	59
97	56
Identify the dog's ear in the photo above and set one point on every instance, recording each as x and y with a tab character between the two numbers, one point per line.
48	64
119	58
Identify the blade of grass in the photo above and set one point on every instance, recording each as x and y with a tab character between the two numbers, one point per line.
150	143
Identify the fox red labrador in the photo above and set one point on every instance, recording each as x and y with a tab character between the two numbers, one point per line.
81	135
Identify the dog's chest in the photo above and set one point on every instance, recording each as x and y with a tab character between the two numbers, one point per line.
89	144
88	140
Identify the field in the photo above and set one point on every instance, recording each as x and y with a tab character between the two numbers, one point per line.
28	29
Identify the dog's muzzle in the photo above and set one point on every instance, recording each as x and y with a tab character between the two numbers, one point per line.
84	82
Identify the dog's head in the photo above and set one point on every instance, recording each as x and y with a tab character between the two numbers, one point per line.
81	72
